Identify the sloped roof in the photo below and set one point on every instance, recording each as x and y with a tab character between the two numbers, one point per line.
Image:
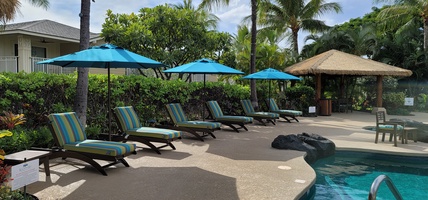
45	28
335	62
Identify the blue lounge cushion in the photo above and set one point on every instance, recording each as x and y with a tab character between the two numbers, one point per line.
390	127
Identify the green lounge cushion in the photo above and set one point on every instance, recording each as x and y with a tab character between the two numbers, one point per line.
249	111
273	107
267	115
289	112
154	132
129	120
229	118
215	109
101	147
72	136
177	113
219	116
199	124
179	118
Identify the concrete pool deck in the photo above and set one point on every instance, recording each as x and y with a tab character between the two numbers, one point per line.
233	166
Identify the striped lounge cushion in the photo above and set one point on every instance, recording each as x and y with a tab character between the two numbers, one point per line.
266	115
176	112
219	116
274	108
289	112
129	121
215	109
128	118
154	132
67	128
72	136
101	147
248	107
272	105
199	124
235	119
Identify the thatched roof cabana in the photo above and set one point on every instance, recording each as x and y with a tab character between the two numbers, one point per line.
335	62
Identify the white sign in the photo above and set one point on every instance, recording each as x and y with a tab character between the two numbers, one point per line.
408	101
24	174
312	109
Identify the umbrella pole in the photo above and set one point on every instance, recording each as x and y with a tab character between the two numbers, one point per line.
269	89
108	102
203	106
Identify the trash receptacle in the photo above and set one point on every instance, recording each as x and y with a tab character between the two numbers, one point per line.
325	107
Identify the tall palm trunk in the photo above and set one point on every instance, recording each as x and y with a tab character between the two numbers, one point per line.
81	99
295	42
253	89
426	34
425	21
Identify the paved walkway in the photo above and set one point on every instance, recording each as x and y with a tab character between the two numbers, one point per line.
233	166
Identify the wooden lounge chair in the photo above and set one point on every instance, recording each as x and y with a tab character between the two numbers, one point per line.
259	116
383	126
132	130
273	107
228	120
71	142
181	123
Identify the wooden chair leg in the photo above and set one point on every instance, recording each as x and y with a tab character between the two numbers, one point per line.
377	136
243	126
395	139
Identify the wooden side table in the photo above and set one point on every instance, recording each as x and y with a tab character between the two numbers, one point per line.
406	131
19	157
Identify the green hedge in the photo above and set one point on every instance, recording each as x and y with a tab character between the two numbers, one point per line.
39	94
394	103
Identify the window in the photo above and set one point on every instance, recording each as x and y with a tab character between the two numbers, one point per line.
38	52
35	51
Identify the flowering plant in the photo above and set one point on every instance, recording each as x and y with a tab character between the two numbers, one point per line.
10	120
4	170
5	191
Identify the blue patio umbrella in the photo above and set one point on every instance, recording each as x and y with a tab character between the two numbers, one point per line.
105	56
271	74
203	66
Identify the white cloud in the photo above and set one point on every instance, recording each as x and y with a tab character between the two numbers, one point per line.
234	15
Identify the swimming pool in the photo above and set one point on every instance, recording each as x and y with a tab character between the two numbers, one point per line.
349	175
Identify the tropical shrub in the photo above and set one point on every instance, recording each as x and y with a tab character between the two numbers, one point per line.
394	103
300	98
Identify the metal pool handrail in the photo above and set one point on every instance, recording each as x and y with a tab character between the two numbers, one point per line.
375	186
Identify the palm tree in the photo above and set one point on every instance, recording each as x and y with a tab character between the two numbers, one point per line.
209	19
295	16
405	13
9	8
81	98
254	7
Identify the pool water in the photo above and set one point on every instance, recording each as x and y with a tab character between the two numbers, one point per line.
349	175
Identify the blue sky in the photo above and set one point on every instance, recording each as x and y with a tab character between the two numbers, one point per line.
67	12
